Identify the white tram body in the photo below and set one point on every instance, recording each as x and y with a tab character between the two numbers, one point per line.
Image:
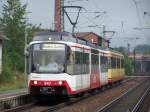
77	66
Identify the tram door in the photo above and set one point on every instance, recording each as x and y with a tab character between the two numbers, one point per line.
86	75
104	70
94	78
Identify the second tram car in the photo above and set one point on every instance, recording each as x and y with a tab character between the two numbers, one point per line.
61	64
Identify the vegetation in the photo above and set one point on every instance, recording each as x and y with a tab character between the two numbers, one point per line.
128	64
17	83
13	24
144	49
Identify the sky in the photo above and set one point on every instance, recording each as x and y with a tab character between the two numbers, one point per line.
121	16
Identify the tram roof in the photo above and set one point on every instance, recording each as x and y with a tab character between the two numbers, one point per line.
63	36
67	37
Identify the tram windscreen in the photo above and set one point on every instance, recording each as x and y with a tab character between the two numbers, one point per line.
48	58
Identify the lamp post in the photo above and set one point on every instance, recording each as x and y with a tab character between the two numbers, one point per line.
134	59
25	45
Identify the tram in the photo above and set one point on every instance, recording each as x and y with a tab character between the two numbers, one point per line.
62	64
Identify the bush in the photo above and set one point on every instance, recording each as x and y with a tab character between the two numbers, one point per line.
18	62
128	66
7	72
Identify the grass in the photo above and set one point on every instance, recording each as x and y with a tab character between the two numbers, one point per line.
18	82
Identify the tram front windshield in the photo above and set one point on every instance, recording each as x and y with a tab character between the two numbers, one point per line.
48	58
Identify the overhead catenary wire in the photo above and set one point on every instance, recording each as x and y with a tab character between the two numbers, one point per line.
99	12
69	1
139	17
93	12
138	13
75	22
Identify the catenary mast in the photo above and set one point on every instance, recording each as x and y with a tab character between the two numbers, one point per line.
59	15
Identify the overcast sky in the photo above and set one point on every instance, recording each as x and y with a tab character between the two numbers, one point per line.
121	16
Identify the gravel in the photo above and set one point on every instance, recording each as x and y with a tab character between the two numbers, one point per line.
97	101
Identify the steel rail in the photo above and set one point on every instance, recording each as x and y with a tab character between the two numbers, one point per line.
140	102
110	104
59	106
32	103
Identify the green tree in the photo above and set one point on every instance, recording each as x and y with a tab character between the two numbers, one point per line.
6	76
31	30
13	25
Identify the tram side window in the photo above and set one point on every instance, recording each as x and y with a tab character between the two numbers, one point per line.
81	63
104	64
113	62
122	63
94	63
78	63
118	63
109	62
71	63
86	63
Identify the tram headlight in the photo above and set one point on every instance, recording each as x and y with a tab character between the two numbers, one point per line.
34	82
60	82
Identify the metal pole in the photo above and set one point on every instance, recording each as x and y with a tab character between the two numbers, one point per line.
104	28
128	48
25	60
134	60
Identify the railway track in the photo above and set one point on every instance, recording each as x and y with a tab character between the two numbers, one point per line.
143	104
67	103
127	102
33	107
58	106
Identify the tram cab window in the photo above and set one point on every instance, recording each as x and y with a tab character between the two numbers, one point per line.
42	57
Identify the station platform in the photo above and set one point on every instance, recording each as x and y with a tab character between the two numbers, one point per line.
12	93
